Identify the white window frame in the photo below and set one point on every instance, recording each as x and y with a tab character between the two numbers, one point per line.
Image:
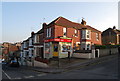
97	36
88	34
64	31
48	32
35	39
49	35
76	33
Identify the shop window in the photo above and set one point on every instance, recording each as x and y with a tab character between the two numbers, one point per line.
47	50
65	48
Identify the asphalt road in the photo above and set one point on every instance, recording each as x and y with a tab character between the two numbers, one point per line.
20	73
105	70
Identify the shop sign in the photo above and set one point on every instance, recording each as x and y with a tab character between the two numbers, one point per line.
58	40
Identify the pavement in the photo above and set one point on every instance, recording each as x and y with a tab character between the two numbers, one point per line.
65	65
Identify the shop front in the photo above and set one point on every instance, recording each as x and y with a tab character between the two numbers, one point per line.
57	47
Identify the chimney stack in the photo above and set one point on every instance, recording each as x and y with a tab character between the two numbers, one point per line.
114	27
83	22
32	33
44	25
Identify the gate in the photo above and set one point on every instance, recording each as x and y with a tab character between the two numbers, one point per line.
96	53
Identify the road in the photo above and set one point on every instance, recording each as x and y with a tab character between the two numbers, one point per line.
105	70
20	73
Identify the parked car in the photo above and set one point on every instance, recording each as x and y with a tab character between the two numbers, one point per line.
14	63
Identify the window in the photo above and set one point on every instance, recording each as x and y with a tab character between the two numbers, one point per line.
88	46
48	32
88	34
38	38
83	34
64	31
75	33
97	36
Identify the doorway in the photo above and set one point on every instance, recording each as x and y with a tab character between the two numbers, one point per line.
55	49
96	53
41	52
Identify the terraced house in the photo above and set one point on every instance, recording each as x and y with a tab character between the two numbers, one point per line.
61	37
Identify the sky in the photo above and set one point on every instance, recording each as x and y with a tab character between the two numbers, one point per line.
19	19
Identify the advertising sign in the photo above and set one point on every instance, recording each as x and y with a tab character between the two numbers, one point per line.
58	40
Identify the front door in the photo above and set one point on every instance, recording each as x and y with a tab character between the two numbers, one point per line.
55	49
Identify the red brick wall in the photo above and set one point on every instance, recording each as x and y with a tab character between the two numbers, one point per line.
13	48
70	33
93	38
52	31
58	31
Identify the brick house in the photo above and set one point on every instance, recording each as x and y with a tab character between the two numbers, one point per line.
60	36
111	36
81	35
38	43
8	50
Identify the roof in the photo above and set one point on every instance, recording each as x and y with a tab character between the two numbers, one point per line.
117	31
40	31
67	23
114	30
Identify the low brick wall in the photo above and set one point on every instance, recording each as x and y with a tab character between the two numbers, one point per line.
82	55
41	60
37	64
104	52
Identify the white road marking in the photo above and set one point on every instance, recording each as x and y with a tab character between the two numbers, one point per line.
28	76
41	74
6	75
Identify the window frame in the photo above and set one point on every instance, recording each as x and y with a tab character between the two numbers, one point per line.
88	33
97	36
64	32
